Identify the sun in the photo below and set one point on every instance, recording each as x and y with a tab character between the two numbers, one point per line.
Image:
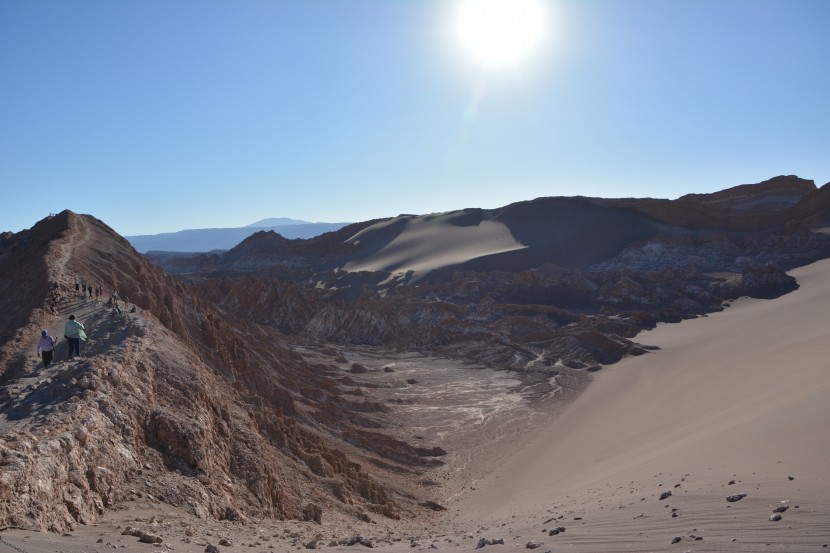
500	32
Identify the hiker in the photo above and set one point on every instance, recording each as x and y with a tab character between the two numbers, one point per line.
73	331
46	347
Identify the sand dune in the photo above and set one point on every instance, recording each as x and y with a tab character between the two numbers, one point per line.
428	243
739	394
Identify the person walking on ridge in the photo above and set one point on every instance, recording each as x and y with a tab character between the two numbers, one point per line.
46	347
73	331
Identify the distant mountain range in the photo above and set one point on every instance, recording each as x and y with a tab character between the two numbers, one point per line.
212	239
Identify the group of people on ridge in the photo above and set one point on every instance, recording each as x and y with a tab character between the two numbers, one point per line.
73	330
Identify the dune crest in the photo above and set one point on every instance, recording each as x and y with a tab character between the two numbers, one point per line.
426	244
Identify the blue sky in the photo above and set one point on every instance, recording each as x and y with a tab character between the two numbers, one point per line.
156	116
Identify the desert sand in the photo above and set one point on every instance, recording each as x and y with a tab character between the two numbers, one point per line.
732	403
739	395
425	244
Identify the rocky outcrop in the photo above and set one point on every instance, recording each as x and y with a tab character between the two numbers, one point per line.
503	319
180	401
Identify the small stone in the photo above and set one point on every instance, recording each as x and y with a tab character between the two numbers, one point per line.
674	515
311	544
226	542
775	518
553	532
731	482
100	540
82	434
481	543
533	544
735	497
665	495
145	537
791	478
781	509
211	548
676	539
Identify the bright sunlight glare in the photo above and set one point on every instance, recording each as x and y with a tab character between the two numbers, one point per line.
500	32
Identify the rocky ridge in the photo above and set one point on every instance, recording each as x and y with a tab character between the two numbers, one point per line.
179	401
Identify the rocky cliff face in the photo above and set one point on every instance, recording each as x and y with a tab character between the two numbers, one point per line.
539	317
222	417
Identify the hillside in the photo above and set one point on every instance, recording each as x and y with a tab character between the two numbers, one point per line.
646	458
540	283
227	418
703	232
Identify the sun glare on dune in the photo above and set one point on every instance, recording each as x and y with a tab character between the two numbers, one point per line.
500	32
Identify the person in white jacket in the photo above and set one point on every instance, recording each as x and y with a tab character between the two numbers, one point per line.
73	331
46	347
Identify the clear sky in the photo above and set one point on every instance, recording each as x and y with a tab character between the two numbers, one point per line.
160	115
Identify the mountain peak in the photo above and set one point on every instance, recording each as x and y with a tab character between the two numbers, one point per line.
277	221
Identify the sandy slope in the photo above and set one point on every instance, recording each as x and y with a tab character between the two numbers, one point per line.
427	243
740	394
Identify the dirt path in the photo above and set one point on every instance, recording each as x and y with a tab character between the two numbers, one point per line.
74	303
77	239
